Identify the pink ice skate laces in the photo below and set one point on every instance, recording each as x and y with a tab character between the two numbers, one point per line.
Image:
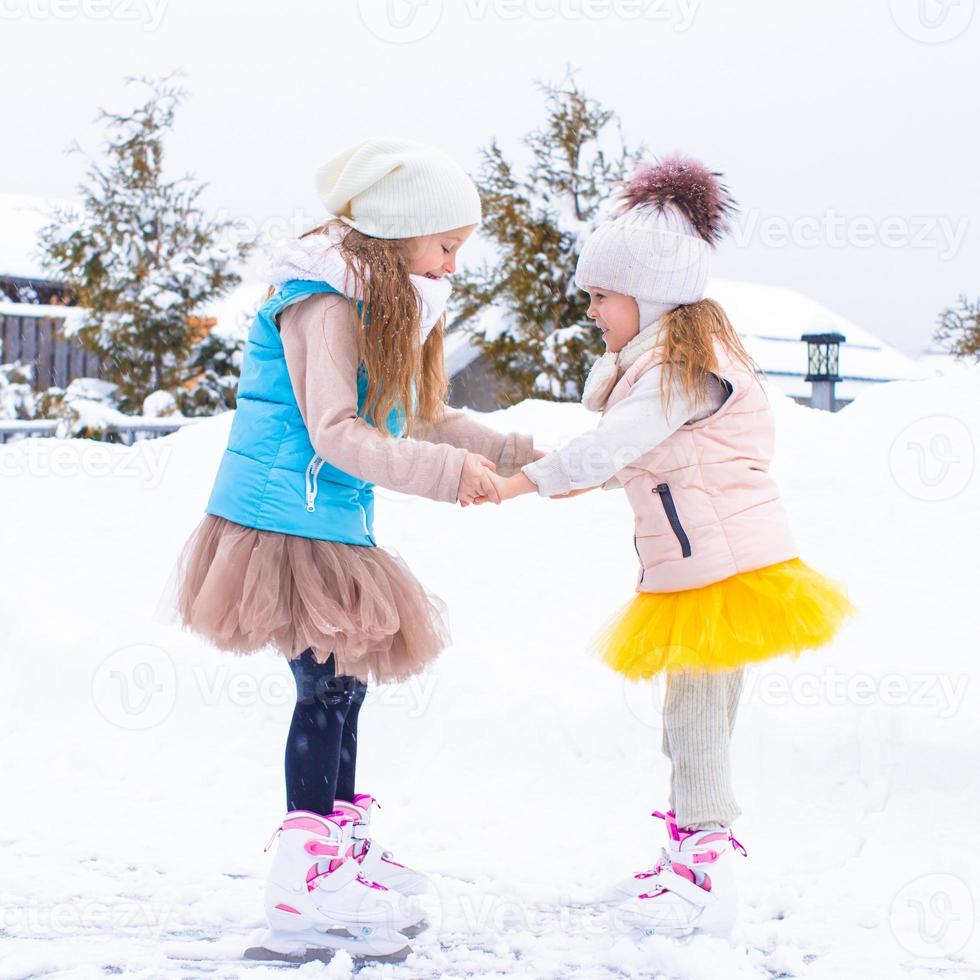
679	835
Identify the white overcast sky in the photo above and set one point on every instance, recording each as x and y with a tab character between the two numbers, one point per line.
847	131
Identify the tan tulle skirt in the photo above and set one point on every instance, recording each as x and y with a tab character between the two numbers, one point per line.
244	590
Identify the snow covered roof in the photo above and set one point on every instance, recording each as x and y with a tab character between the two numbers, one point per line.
771	320
21	218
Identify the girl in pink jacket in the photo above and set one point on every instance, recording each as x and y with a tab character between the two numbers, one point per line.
687	431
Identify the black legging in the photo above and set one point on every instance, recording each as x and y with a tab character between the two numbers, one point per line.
321	748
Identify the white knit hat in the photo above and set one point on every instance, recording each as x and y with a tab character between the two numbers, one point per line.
658	249
395	188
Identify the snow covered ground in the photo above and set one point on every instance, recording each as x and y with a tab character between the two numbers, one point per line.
141	771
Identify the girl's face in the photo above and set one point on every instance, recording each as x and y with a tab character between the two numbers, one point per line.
434	256
616	315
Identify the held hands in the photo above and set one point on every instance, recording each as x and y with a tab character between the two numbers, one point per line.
480	484
515	486
507	488
475	482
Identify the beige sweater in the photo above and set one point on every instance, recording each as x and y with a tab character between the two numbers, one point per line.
319	336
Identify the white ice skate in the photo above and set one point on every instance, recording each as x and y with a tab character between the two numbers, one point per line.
692	887
377	864
317	897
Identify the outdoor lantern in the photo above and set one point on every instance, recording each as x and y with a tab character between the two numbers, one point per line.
823	356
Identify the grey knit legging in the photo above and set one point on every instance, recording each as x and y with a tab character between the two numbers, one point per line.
699	715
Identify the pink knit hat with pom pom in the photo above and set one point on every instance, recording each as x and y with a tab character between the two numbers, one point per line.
658	248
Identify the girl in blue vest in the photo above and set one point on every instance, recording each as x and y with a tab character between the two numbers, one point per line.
344	358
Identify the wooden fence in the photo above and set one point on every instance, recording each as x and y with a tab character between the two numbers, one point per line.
38	341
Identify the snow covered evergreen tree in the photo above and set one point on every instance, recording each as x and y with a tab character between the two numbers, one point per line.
537	216
141	256
216	362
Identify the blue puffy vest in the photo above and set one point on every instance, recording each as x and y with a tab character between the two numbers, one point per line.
270	476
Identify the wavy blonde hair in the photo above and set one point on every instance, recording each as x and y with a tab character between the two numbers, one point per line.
389	338
687	336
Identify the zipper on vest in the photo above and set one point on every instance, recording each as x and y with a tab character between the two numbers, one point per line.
311	485
675	522
643	570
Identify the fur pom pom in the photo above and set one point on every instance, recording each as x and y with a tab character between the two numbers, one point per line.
687	185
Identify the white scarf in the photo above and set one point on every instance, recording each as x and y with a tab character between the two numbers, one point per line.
607	371
317	257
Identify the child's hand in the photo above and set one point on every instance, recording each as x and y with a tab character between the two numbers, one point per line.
512	486
475	481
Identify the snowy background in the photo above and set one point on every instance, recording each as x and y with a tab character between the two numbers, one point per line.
142	771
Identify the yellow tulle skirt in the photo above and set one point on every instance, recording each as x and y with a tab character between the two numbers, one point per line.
783	608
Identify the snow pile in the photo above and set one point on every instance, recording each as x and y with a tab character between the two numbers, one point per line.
159	404
142	770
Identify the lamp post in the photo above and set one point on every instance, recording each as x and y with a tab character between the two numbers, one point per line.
822	358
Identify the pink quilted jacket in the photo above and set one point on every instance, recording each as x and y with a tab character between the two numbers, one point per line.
705	505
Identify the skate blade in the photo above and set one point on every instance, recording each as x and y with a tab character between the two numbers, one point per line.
412	932
321	945
650	927
322	956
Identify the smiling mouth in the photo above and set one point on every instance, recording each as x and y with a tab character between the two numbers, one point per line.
430	275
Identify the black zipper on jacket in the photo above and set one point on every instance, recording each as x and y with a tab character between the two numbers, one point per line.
643	570
675	522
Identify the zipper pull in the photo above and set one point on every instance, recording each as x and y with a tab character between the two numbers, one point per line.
662	488
311	474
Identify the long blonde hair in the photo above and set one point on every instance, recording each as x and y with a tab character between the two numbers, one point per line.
687	336
389	338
